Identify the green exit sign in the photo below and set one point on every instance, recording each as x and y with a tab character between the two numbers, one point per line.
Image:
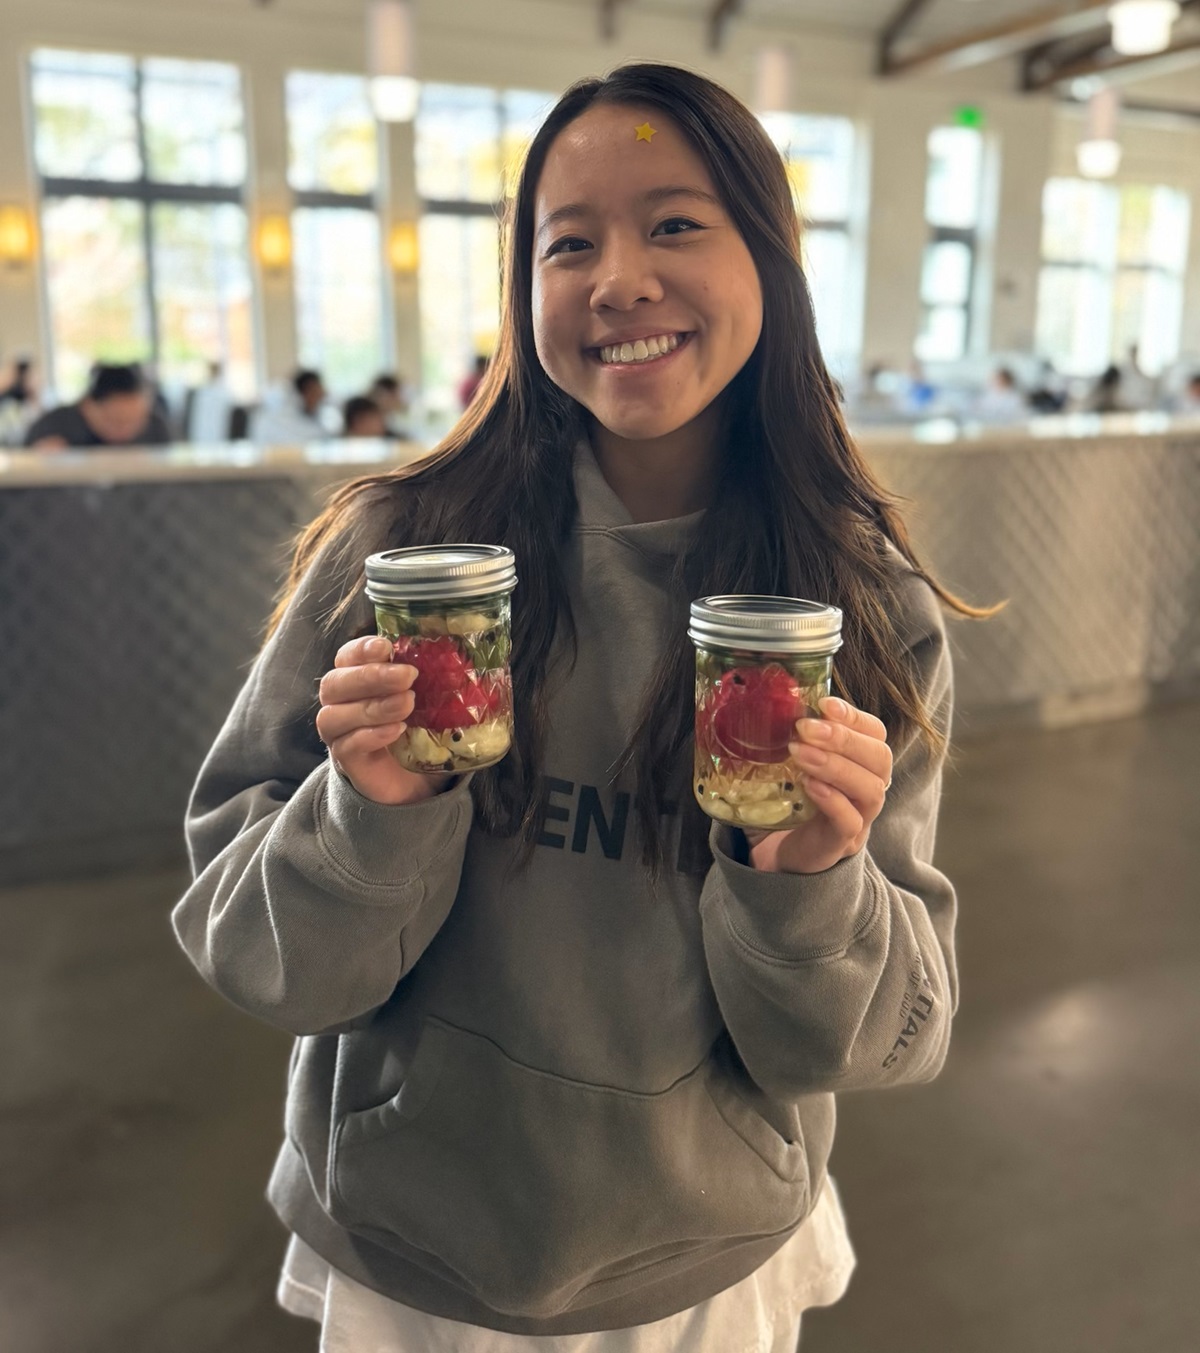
968	116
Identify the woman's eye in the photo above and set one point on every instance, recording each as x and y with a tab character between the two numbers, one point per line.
677	225
571	244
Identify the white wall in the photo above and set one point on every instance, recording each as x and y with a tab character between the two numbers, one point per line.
544	44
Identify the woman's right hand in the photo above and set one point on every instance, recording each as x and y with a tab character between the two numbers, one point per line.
365	701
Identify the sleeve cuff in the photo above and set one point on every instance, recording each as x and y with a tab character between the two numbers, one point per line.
794	917
387	845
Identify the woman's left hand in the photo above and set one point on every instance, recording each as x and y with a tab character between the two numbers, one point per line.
847	769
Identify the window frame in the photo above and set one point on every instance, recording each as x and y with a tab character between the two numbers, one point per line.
144	190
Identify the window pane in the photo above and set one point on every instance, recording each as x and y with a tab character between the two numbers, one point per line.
339	295
827	266
96	279
1074	315
943	335
819	152
460	303
193	118
202	289
1167	246
953	188
1147	311
524	113
85	115
1079	221
332	141
458	144
946	273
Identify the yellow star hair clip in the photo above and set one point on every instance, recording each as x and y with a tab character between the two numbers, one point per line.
645	131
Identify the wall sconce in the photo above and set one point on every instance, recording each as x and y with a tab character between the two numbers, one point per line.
404	250
17	243
274	243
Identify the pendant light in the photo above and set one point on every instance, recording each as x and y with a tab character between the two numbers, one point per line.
394	92
1098	154
1142	27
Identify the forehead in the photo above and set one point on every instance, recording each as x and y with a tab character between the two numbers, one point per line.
599	159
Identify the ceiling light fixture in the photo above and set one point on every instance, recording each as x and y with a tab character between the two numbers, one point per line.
1142	27
394	92
1098	154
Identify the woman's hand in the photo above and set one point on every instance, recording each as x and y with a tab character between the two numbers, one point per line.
365	701
846	766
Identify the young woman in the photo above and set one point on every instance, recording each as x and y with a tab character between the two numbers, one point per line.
566	1070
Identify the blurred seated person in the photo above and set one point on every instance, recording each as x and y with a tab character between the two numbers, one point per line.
362	417
293	415
918	395
211	405
389	394
472	381
1107	396
1188	401
116	410
1049	395
1139	390
20	389
1002	400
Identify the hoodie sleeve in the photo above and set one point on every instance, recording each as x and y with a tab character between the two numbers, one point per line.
846	979
309	902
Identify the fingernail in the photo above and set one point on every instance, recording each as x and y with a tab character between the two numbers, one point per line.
378	648
834	707
814	728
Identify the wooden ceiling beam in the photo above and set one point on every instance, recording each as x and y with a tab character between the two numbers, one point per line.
1102	60
1008	38
720	16
895	29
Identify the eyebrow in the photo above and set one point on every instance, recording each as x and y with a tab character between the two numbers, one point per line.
652	198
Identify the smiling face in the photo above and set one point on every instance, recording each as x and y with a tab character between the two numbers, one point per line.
646	300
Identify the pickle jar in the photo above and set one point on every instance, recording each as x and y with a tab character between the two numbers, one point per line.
762	663
447	611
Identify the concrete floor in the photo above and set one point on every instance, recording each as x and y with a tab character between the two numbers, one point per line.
1041	1197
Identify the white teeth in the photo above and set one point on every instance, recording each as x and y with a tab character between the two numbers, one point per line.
642	350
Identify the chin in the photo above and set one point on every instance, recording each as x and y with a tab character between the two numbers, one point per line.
645	429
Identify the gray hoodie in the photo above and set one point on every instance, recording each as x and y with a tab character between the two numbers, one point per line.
552	1100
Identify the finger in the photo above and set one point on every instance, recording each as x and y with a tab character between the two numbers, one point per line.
840	712
336	721
372	679
363	741
369	648
862	787
837	809
838	739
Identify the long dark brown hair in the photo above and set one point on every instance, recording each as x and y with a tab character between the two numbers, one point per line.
797	511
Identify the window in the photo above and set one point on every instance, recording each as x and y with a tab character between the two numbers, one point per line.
141	167
470	142
1113	261
953	204
333	170
819	154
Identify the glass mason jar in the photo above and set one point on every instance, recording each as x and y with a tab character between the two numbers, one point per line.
447	611
761	664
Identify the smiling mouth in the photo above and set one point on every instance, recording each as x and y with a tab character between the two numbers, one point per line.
641	352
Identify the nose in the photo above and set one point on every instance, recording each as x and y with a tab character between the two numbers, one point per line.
625	275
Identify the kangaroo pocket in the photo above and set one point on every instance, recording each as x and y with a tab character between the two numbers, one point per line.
530	1187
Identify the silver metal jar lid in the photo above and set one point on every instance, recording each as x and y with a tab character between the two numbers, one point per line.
440	573
766	624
